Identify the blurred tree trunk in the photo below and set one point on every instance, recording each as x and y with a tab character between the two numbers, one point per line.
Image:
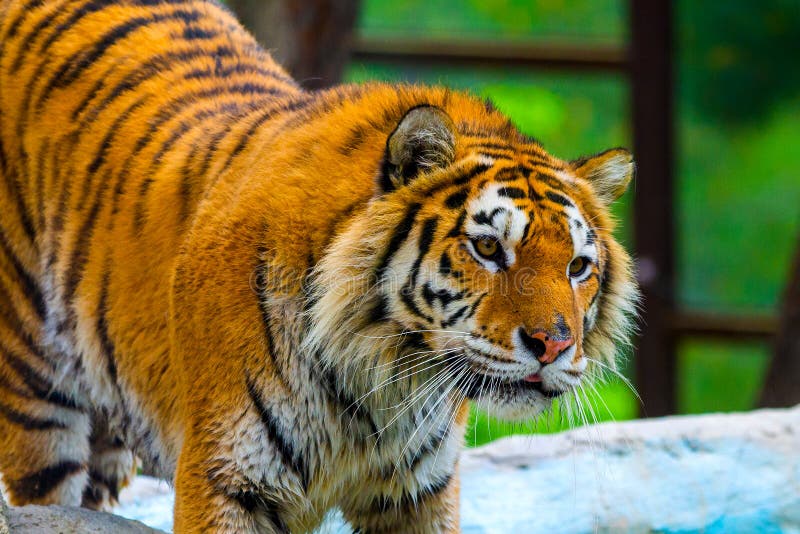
782	386
310	38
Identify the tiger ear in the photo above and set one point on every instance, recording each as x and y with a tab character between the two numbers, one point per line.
423	139
609	173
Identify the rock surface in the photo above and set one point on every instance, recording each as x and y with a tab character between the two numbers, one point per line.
712	473
58	519
731	473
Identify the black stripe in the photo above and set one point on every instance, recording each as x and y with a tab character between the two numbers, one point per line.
455	231
450	321
434	489
187	183
332	98
540	160
153	67
101	326
23	12
80	254
225	72
252	501
511	192
457	199
15	198
380	310
193	122
29	285
527	228
90	96
272	425
445	264
346	404
86	9
217	139
407	292
353	140
445	296
486	218
399	236
490	146
550	180
459	179
407	298
496	155
37	485
271	509
559	199
29	422
172	110
473	308
39	181
194	33
407	501
57	221
19	329
284	107
431	446
591	236
508	174
40	386
105	145
266	322
110	482
75	65
25	46
425	239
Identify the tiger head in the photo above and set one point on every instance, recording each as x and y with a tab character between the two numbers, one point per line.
483	262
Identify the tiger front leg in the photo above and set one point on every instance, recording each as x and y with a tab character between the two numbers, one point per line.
214	498
434	510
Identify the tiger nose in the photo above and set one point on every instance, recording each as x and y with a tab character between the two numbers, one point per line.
543	346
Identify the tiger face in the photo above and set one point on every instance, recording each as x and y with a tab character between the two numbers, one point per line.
496	258
507	273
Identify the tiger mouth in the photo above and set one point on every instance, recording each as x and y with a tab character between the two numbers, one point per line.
479	383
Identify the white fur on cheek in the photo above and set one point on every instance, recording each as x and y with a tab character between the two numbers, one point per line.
493	215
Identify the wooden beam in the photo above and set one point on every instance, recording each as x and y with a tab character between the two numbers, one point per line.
724	326
472	53
652	109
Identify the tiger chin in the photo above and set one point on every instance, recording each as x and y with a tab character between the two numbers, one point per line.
281	301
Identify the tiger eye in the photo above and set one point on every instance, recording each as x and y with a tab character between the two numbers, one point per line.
486	247
578	266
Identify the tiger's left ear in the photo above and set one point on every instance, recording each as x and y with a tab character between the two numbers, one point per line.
423	139
609	173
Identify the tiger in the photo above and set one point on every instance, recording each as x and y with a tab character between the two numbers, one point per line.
281	301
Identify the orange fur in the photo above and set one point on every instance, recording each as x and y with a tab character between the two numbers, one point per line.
189	246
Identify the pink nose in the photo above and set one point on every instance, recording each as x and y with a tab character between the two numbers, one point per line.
552	347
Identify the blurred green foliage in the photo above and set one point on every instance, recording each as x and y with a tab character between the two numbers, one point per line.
738	57
738	120
511	19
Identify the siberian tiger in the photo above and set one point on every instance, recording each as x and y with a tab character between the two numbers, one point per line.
279	300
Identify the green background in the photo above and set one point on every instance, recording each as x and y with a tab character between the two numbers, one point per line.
737	185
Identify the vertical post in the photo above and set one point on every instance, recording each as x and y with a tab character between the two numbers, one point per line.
652	116
781	388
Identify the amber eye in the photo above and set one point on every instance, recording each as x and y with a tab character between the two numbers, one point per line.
578	266
486	247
